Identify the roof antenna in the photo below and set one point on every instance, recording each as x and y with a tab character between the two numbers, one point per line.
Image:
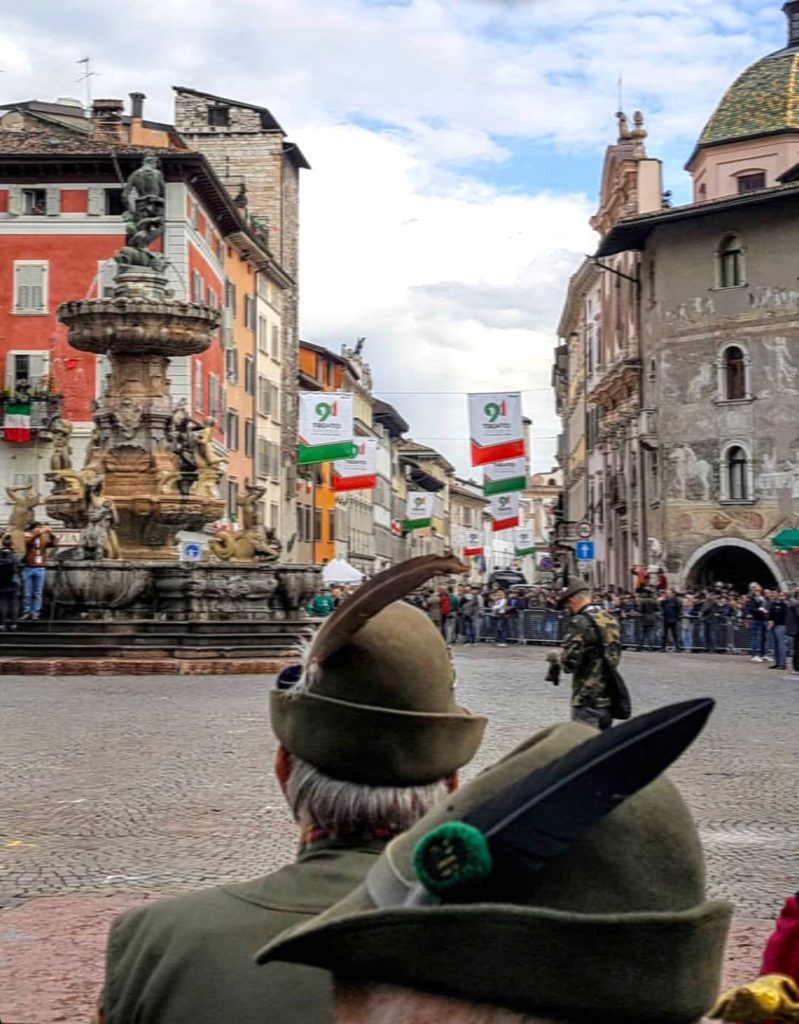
87	77
621	94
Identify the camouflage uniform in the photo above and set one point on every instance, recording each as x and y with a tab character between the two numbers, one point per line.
581	655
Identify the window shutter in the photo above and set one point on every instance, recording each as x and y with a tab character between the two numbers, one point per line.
39	368
96	206
53	206
30	288
15	200
101	368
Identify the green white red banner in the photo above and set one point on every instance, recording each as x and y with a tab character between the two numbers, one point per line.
17	422
418	510
473	543
504	511
496	430
326	431
359	473
524	542
503	477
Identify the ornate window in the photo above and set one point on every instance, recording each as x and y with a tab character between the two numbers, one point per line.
751	181
736	474
732	369
731	262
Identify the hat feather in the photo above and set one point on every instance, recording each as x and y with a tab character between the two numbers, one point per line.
372	597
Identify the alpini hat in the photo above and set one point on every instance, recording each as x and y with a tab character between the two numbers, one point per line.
578	587
565	882
376	701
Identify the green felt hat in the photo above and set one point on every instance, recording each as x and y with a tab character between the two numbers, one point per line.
578	587
616	928
376	704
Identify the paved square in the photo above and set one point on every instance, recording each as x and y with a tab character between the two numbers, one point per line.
122	789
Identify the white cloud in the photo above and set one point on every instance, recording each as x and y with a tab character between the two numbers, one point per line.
455	292
456	283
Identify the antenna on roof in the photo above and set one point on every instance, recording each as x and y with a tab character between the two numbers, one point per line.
87	77
621	93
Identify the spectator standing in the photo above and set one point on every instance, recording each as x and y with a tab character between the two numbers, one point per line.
452	621
671	610
499	612
629	613
707	617
322	604
777	614
468	614
727	614
792	628
648	613
756	609
38	543
445	607
687	618
433	608
9	584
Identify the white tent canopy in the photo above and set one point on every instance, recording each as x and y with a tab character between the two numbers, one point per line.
339	571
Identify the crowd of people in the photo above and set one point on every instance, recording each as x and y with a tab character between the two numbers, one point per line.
764	623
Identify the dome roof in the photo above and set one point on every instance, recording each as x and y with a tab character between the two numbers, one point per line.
764	100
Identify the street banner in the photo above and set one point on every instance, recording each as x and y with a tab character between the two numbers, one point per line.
473	544
17	422
326	428
496	430
524	542
360	473
503	477
418	510
504	511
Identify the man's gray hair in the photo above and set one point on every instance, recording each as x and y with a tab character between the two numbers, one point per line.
389	1004
337	806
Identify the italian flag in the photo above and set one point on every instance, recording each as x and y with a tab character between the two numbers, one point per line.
17	422
481	456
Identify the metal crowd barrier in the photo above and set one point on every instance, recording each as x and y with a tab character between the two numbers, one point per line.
543	626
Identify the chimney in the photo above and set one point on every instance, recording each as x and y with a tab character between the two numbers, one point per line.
107	120
137	105
791	11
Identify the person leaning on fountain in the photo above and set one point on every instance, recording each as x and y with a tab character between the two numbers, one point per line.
370	737
39	541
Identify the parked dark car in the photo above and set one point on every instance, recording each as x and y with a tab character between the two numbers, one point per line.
506	578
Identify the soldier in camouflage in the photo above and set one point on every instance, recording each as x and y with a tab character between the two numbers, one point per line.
591	628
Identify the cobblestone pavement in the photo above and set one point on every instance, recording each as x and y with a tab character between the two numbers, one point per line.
122	789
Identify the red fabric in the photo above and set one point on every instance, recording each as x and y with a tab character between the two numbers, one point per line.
445	604
781	955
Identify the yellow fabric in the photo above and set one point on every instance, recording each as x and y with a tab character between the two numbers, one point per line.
774	997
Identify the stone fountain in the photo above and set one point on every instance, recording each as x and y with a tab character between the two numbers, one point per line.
150	470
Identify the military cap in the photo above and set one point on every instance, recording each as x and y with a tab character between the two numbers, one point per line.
376	701
573	588
592	909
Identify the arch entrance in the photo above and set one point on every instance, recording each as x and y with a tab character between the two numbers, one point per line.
734	562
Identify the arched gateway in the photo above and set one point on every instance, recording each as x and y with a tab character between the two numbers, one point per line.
734	562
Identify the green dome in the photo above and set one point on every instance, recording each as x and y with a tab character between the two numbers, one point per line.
764	100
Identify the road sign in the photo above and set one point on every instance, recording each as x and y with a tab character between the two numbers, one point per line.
545	564
585	530
190	551
584	550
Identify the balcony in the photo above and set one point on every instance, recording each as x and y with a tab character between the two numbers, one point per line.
42	406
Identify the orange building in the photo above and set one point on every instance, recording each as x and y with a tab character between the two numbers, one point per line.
319	370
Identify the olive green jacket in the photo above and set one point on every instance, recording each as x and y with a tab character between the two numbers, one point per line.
189	960
582	656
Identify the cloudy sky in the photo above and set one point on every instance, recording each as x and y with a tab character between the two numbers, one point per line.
456	148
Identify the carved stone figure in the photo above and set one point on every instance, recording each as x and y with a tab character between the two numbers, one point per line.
24	501
61	456
168	482
246	545
203	444
143	196
99	539
248	503
205	486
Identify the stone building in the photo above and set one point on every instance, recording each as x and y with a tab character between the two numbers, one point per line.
717	378
251	155
599	372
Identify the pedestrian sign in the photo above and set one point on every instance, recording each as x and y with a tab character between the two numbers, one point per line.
584	550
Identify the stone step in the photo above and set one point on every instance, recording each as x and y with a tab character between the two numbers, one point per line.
152	626
93	651
174	638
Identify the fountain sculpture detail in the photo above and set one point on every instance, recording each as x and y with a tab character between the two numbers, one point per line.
151	471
